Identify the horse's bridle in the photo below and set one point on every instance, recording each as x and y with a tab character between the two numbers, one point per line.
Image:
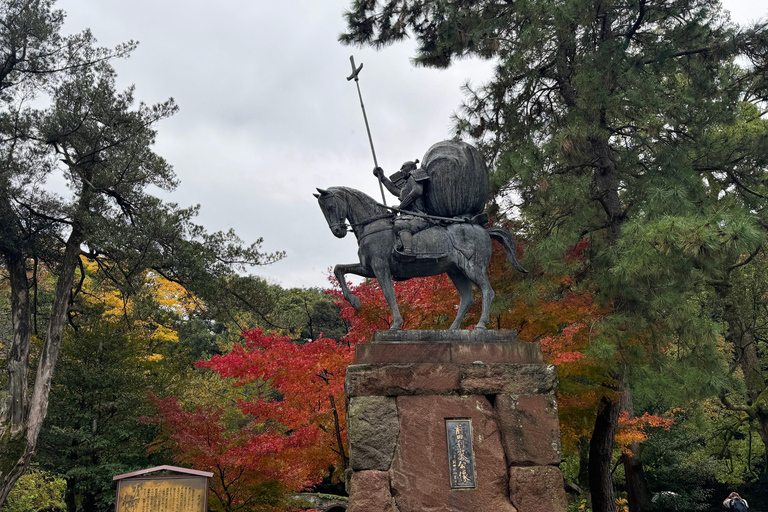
341	224
351	226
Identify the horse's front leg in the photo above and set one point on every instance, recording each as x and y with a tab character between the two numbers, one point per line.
341	271
384	277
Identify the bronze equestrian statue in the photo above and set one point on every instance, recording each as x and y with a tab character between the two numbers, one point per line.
438	228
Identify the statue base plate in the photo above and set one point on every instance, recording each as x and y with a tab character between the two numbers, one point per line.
434	336
446	347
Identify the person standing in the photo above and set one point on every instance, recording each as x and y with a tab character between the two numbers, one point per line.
736	503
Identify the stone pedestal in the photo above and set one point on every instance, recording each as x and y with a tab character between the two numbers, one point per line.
405	385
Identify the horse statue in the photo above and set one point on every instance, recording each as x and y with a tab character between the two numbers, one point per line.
460	248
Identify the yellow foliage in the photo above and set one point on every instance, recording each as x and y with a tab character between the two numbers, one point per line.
164	334
116	308
172	296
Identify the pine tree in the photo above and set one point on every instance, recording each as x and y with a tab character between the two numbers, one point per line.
599	117
100	142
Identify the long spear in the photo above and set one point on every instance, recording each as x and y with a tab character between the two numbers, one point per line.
355	74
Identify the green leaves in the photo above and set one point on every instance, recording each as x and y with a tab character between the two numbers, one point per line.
37	490
694	240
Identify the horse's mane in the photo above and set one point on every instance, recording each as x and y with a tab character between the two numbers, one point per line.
370	205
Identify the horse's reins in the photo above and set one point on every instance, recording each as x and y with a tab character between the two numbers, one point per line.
371	221
352	225
453	220
394	210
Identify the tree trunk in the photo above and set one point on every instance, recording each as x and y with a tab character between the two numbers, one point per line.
753	378
600	454
762	425
606	188
12	418
583	444
19	447
14	406
38	406
756	384
337	431
740	335
69	499
637	487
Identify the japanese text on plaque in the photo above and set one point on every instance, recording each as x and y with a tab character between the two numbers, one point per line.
461	459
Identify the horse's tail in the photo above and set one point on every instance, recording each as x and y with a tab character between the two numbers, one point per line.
507	241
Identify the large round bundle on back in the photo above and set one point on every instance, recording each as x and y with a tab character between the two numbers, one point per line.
458	183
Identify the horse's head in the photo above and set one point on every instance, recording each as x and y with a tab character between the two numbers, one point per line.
335	210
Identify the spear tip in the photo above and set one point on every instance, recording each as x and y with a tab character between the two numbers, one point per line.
355	70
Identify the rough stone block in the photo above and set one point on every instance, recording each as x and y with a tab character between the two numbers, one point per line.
372	433
420	475
446	379
515	379
458	352
401	379
537	489
530	429
369	492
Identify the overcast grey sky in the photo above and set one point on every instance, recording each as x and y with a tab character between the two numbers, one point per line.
266	114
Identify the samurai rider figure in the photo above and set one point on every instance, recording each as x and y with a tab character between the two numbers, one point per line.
408	186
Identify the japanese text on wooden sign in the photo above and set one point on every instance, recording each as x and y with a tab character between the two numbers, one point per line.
162	494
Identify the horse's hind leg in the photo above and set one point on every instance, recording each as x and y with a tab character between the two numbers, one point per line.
464	287
477	276
488	295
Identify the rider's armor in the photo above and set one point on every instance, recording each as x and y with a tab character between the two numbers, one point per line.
410	181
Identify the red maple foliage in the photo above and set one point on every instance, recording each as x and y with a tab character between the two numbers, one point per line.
424	303
243	478
308	414
634	430
293	434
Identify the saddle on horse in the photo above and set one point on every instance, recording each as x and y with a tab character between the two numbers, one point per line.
430	243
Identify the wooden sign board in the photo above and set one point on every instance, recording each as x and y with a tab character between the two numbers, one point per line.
139	492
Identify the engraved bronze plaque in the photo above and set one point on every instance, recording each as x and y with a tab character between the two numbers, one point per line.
162	494
461	458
